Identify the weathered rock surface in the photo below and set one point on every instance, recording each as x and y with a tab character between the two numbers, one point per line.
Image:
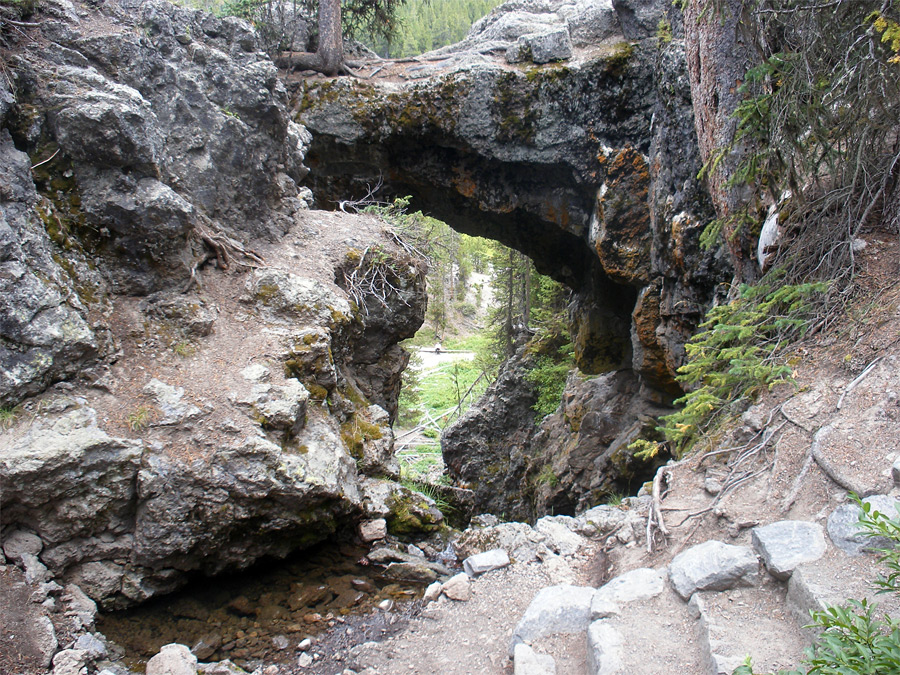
604	645
555	609
843	524
786	544
528	662
173	659
175	159
636	584
712	566
485	562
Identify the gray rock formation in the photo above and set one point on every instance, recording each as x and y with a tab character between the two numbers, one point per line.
171	161
712	566
788	543
491	458
555	609
845	532
49	313
560	162
604	648
485	562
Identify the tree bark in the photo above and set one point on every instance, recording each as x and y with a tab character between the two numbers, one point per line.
718	54
329	57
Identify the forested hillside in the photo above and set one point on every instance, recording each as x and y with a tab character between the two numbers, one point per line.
423	25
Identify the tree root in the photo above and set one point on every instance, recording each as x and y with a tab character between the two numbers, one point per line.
225	250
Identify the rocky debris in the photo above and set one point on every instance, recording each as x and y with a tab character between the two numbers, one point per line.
636	584
786	544
712	565
529	662
169	401
559	534
173	659
555	609
604	645
485	562
373	530
432	592
70	662
458	587
843	524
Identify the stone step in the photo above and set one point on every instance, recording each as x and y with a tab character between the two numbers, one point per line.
750	621
635	630
831	580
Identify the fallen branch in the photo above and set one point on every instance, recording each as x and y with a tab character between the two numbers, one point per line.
50	158
655	514
859	378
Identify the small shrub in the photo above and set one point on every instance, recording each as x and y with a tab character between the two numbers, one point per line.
139	419
184	349
738	354
547	476
7	417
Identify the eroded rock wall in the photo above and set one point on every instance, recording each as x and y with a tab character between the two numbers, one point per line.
587	164
189	381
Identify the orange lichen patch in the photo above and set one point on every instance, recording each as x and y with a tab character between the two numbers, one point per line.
623	241
557	213
465	183
651	359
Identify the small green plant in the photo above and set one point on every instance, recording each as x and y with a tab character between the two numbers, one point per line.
664	31
7	417
427	490
645	450
184	349
615	498
738	354
547	476
854	639
139	419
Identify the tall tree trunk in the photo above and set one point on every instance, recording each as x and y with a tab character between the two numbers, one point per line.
329	57
331	45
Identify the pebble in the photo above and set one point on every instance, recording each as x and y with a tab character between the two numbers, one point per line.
305	660
304	645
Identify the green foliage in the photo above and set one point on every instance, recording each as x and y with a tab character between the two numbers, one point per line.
738	353
7	417
547	476
451	258
184	349
816	130
139	418
664	31
645	450
548	375
423	25
854	639
426	489
281	22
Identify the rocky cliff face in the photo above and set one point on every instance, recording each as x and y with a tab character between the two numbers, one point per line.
576	146
190	378
585	161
